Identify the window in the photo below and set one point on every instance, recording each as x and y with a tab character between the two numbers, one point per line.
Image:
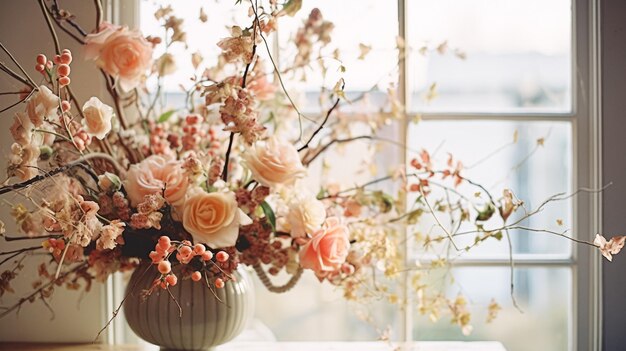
511	75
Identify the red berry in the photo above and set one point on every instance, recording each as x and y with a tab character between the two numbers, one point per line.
41	59
165	241
207	256
171	279
199	249
155	257
65	105
66	58
219	283
222	256
63	70
185	251
165	267
196	276
63	81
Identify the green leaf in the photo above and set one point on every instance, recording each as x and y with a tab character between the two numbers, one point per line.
486	213
269	214
498	235
292	7
165	116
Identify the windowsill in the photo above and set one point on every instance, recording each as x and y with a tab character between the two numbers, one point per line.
279	346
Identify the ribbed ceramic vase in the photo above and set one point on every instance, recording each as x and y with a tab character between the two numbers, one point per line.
206	321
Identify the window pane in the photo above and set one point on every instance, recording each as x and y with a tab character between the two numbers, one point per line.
201	37
517	55
535	166
543	325
354	24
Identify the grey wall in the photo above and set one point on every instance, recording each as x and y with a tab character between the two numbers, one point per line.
613	22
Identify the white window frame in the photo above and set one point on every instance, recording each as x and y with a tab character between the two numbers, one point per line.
586	130
585	328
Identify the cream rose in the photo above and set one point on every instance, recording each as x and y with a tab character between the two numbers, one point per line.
125	54
152	176
328	248
214	218
43	103
274	162
306	215
98	117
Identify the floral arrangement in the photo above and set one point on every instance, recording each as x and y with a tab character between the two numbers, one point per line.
221	181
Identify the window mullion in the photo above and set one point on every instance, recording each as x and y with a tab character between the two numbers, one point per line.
404	96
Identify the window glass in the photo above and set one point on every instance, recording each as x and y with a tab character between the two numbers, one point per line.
372	23
490	55
534	159
543	325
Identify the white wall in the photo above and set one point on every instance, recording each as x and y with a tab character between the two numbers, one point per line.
23	31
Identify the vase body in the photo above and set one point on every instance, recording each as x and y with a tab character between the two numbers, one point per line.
206	321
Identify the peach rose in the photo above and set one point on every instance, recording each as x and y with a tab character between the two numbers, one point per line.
43	103
98	117
154	174
214	218
125	54
328	248
274	162
306	215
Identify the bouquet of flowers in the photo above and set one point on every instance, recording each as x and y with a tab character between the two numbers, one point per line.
221	180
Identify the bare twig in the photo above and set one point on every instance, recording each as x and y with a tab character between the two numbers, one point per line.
13	74
432	211
13	187
32	82
180	309
231	138
321	126
119	307
55	38
512	266
42	288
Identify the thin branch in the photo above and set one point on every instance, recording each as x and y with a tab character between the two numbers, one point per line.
437	220
25	249
512	266
13	74
19	238
55	38
321	126
119	307
98	13
42	288
13	187
231	138
34	85
180	309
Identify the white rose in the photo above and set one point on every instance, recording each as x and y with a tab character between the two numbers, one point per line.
98	117
306	215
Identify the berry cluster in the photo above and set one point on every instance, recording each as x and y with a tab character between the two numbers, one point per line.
185	252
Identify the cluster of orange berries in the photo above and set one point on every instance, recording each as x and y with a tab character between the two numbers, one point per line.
185	252
63	66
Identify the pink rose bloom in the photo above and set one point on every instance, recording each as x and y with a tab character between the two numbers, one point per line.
154	174
328	248
125	54
274	162
214	218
